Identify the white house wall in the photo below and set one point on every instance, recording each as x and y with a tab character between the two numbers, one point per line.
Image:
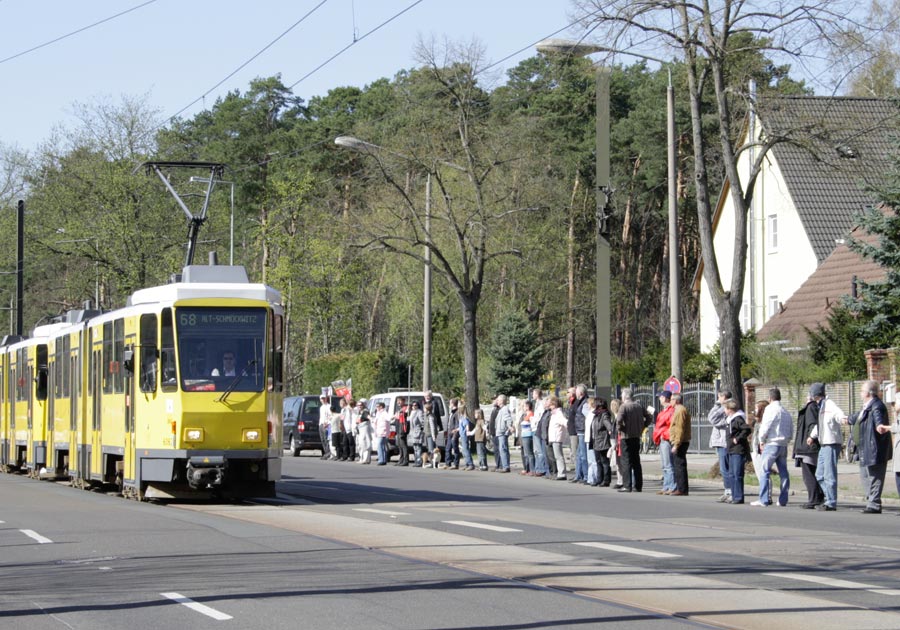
777	271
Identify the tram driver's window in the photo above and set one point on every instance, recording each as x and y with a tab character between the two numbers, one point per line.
167	351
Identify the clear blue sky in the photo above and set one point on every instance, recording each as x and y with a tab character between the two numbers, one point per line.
176	50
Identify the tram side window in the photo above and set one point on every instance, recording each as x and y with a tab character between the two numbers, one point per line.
56	364
107	358
42	369
149	353
167	351
24	380
64	365
118	356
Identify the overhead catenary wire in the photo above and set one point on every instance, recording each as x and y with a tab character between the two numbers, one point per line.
270	159
353	43
75	32
243	65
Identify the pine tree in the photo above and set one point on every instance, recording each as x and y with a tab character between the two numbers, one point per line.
516	354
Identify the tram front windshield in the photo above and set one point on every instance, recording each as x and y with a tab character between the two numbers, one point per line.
221	348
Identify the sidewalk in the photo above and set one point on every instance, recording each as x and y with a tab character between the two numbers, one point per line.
849	485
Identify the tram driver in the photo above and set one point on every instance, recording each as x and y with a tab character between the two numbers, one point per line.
227	365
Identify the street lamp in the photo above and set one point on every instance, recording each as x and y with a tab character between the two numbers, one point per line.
603	373
361	146
207	180
581	49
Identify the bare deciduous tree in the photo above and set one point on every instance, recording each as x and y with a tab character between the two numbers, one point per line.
472	202
711	37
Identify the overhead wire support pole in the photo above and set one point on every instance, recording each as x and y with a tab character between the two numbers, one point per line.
20	266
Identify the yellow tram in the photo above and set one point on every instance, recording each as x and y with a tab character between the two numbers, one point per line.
139	397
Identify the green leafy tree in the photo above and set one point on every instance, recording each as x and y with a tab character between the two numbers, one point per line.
516	355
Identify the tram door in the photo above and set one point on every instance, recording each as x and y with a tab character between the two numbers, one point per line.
129	472
52	386
96	422
75	461
6	438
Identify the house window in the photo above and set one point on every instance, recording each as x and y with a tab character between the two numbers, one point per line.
773	232
773	305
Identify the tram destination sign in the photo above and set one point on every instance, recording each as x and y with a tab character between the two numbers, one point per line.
219	319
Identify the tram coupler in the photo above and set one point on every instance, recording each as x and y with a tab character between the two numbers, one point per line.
206	472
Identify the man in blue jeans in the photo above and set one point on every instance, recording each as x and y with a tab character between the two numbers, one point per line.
540	445
718	440
577	411
661	439
828	433
774	433
504	426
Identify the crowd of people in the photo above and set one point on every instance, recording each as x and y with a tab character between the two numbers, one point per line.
765	437
604	441
603	437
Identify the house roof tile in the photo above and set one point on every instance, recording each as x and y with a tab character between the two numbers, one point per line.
839	147
808	307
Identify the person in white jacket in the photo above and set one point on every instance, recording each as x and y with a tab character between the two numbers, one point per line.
774	433
828	433
557	435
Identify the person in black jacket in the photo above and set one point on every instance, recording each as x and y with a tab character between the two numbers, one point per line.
738	448
451	448
604	432
875	448
806	454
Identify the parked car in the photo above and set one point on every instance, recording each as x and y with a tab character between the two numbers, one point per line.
390	404
301	422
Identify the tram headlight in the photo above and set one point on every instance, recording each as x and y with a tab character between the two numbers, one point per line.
193	435
252	435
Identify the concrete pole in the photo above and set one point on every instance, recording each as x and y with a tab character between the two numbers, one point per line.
603	376
674	267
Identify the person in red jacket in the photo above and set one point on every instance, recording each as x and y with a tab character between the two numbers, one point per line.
661	439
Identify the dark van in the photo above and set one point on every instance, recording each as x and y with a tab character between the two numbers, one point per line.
301	422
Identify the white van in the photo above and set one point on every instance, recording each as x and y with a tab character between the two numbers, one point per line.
390	404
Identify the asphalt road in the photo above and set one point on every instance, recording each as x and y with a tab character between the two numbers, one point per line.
347	545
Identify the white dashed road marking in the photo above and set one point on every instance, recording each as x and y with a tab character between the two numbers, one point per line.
622	549
493	528
35	536
200	608
836	583
386	512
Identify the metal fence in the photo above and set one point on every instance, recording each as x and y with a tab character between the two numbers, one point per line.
699	398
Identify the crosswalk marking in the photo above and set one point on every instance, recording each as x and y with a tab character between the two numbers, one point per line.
632	550
35	536
493	528
200	608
